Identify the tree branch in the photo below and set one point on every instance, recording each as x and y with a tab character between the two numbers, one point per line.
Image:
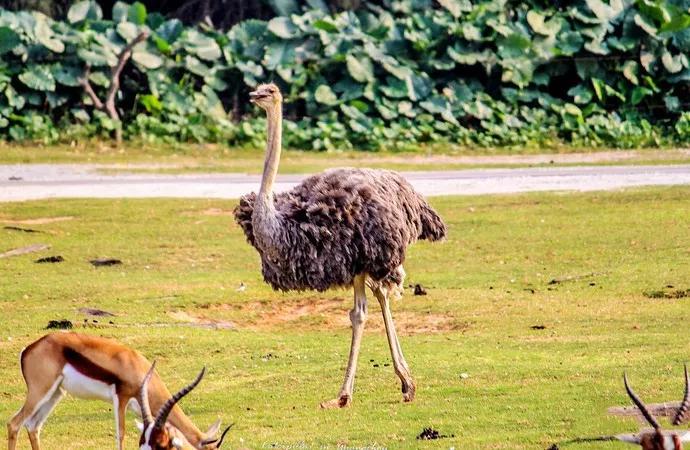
84	81
122	59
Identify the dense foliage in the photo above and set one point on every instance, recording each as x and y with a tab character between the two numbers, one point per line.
482	72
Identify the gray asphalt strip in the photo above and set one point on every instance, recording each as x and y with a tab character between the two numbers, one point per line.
40	181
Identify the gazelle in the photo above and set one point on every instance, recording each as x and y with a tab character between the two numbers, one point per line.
656	438
91	367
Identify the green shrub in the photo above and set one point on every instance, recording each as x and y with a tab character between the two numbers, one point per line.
482	72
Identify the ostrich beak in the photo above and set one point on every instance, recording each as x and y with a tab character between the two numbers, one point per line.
256	95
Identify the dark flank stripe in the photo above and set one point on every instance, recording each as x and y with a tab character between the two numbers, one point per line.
90	369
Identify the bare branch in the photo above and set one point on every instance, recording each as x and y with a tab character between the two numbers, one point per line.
122	59
84	81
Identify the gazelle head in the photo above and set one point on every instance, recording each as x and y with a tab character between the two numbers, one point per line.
157	434
656	438
266	96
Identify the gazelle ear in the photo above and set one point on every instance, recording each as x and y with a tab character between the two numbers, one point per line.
212	430
140	426
629	438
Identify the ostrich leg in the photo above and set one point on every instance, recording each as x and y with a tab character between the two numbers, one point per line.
358	316
400	366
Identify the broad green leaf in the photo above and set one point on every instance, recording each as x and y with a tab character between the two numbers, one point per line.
195	66
151	103
471	32
360	68
127	31
672	103
283	27
146	59
605	12
84	10
202	46
38	77
67	75
325	95
639	93
647	59
678	23
78	11
630	71
325	25
44	35
581	94
540	26
8	40
671	63
456	7
647	26
598	86
120	11
15	100
170	30
137	13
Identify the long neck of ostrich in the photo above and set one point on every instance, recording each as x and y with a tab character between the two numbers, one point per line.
273	147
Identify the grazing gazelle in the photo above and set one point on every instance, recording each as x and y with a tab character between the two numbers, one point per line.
157	433
656	438
91	367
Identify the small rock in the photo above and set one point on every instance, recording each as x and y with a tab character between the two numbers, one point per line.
50	259
464	375
419	290
538	327
105	262
63	324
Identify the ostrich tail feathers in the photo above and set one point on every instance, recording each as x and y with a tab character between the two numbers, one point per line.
243	215
433	228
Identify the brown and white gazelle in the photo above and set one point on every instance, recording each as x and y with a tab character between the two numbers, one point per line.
91	367
656	438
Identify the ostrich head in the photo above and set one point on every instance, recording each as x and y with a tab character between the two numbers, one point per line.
266	96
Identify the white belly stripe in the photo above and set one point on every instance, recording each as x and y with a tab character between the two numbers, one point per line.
81	386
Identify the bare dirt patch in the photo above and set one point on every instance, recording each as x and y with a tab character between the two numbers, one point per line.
210	212
37	221
329	314
200	321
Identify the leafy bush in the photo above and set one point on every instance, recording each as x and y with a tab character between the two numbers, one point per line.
482	72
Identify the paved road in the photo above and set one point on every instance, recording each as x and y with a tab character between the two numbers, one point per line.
40	181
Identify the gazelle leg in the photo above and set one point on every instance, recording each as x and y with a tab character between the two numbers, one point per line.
119	408
358	316
400	366
35	422
16	423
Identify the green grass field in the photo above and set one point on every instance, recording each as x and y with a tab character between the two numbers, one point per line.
194	158
488	285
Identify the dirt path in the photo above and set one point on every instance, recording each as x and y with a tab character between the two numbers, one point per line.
38	181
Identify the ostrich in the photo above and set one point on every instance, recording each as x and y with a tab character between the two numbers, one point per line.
343	227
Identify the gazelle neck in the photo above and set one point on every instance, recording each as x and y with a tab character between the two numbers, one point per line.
273	149
190	431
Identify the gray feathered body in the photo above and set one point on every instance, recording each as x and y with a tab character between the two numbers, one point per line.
338	224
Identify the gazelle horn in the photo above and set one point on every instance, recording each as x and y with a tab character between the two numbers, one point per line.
683	408
163	413
146	415
643	409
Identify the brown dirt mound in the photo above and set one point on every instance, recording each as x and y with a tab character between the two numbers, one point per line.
37	221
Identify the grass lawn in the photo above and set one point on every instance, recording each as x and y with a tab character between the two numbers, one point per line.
190	158
488	286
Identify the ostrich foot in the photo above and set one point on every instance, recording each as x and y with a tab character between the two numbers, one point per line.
408	391
342	401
